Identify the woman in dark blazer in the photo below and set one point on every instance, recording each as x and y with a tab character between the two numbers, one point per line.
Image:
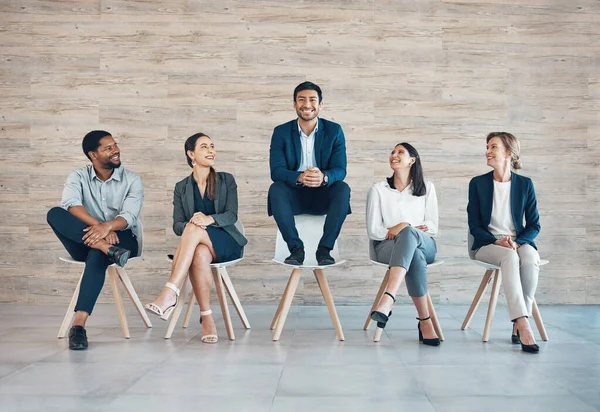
498	202
205	208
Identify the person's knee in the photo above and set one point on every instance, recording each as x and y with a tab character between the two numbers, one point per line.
278	189
340	190
408	231
511	257
202	257
54	214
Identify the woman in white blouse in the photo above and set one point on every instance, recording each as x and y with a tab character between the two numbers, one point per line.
402	219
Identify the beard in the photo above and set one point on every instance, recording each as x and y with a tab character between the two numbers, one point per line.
110	165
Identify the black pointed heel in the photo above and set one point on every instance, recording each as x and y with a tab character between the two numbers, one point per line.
380	317
527	348
430	342
516	339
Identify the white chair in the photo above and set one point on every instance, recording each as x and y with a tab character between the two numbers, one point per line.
310	230
222	283
383	286
115	274
493	274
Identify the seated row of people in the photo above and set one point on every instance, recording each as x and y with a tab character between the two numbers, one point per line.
101	202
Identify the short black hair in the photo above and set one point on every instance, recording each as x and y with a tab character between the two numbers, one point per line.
91	141
308	86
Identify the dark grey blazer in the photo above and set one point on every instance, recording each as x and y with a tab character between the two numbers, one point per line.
226	205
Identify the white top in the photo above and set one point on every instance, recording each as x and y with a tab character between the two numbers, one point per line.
501	222
386	207
308	159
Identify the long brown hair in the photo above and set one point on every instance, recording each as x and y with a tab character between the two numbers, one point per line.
511	144
211	182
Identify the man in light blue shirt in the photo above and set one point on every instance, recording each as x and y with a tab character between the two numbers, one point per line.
101	203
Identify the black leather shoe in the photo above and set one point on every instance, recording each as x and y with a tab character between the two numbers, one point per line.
296	257
516	339
78	338
380	317
324	257
118	255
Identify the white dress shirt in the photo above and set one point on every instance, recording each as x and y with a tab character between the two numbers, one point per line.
386	207
308	158
501	222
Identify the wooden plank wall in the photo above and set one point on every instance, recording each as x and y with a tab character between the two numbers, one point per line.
438	74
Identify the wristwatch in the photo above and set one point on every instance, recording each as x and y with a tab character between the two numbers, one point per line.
325	180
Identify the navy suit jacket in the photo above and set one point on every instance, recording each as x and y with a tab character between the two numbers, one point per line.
285	153
522	202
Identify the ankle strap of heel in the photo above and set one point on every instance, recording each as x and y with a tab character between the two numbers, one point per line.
206	312
173	287
391	296
424	319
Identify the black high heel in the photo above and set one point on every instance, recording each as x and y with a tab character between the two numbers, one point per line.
516	339
380	317
527	348
430	342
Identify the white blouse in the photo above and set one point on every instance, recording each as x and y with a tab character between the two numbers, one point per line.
501	222
386	207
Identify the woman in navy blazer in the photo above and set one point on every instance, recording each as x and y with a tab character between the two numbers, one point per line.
498	202
205	208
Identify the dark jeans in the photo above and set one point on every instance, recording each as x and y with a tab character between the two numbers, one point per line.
287	201
69	231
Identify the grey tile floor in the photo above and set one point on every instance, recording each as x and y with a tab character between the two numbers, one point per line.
307	370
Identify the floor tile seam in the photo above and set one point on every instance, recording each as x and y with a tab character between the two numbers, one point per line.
16	371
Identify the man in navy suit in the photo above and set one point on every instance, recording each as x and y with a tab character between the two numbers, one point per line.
308	166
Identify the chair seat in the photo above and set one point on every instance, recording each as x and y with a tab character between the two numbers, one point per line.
79	262
489	266
432	264
309	265
220	264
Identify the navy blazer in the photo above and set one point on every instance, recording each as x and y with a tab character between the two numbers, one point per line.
522	203
285	153
226	205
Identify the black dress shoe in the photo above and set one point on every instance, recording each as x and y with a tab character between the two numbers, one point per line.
118	255
78	338
296	257
324	257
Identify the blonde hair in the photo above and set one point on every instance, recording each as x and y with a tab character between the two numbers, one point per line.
511	144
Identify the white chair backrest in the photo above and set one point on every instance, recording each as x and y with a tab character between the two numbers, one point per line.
470	240
372	254
240	227
310	230
140	238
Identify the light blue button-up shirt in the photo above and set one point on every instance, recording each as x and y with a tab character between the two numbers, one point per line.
308	159
121	195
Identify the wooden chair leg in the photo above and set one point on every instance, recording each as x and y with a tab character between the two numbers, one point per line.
66	323
113	276
377	335
539	322
234	297
223	302
326	292
477	298
434	318
278	311
177	311
492	307
190	309
133	295
377	298
286	302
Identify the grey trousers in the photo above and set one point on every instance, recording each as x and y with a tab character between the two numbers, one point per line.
412	249
520	269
